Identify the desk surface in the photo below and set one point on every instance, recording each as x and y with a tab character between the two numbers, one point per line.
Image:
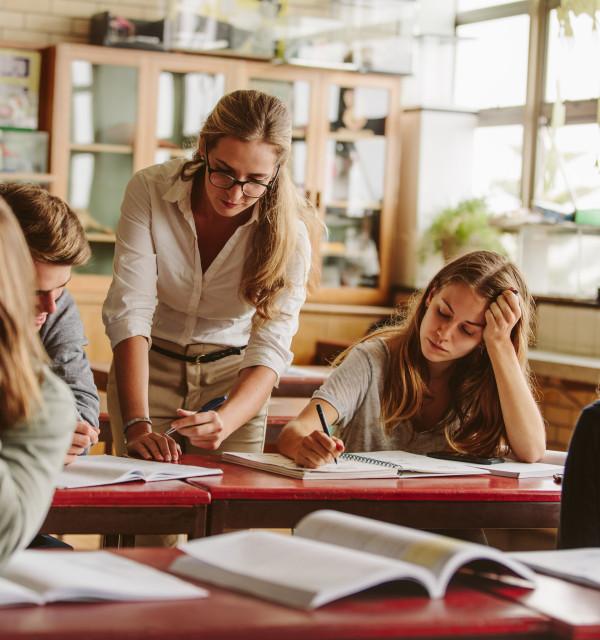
401	613
161	507
244	497
573	609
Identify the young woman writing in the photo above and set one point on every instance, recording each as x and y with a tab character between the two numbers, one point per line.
451	374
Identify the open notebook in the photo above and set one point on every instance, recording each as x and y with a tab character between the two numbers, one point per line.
375	464
93	471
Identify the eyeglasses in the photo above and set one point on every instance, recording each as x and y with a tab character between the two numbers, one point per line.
250	188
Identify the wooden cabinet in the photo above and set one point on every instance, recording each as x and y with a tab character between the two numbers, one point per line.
112	112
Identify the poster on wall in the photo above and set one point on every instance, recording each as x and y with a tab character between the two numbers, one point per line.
19	88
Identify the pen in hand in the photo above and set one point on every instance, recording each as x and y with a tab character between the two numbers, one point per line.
211	404
324	423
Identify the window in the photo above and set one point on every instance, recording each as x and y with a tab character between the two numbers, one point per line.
537	144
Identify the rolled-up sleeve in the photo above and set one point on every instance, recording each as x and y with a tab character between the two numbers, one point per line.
270	344
129	306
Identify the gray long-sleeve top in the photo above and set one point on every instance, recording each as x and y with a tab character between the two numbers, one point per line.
63	338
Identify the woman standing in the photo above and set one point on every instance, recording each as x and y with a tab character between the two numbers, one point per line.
212	262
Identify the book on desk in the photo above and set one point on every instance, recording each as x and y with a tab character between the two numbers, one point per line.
93	471
35	576
332	555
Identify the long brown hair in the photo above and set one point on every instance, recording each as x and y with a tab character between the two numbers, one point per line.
253	116
21	352
474	394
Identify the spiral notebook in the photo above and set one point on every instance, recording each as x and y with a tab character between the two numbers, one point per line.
376	464
349	466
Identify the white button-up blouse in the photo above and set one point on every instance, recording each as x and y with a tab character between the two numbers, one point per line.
159	289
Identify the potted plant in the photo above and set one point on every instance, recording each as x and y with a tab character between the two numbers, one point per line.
456	230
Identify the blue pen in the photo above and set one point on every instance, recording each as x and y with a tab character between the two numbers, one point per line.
211	404
324	423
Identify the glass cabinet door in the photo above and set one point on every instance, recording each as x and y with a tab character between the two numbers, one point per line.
296	95
184	101
101	150
354	186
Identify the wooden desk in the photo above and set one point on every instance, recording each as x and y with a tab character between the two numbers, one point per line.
225	615
169	506
244	497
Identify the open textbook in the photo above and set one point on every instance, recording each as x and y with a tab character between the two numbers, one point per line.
375	464
39	576
93	471
333	555
576	565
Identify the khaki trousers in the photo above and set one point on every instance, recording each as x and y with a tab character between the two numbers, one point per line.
175	384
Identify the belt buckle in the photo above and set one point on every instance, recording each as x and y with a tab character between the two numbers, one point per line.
200	358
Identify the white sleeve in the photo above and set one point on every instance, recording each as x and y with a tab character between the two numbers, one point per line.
129	306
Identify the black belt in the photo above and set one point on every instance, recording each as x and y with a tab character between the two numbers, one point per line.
203	357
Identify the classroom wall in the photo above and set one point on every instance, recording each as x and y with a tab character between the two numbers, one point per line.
45	22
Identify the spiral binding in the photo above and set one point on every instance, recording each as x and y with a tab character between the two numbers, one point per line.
381	463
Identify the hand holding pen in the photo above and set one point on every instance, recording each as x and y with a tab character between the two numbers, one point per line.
209	406
324	424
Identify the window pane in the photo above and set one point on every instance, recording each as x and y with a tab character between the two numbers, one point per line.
567	171
491	63
572	62
470	5
497	164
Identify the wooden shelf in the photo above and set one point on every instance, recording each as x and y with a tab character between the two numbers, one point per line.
101	237
31	177
101	147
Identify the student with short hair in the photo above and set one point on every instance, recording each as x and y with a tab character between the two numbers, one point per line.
37	411
57	242
451	374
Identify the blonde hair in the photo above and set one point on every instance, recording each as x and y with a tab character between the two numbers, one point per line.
21	351
473	390
52	229
253	116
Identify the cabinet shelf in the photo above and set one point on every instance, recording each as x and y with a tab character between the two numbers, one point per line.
30	177
346	204
101	237
101	147
347	135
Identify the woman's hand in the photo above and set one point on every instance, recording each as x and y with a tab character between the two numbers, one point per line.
317	449
502	315
154	446
205	429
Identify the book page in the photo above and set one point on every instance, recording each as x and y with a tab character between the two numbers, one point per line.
426	465
514	469
288	569
576	565
441	555
92	471
11	593
93	575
